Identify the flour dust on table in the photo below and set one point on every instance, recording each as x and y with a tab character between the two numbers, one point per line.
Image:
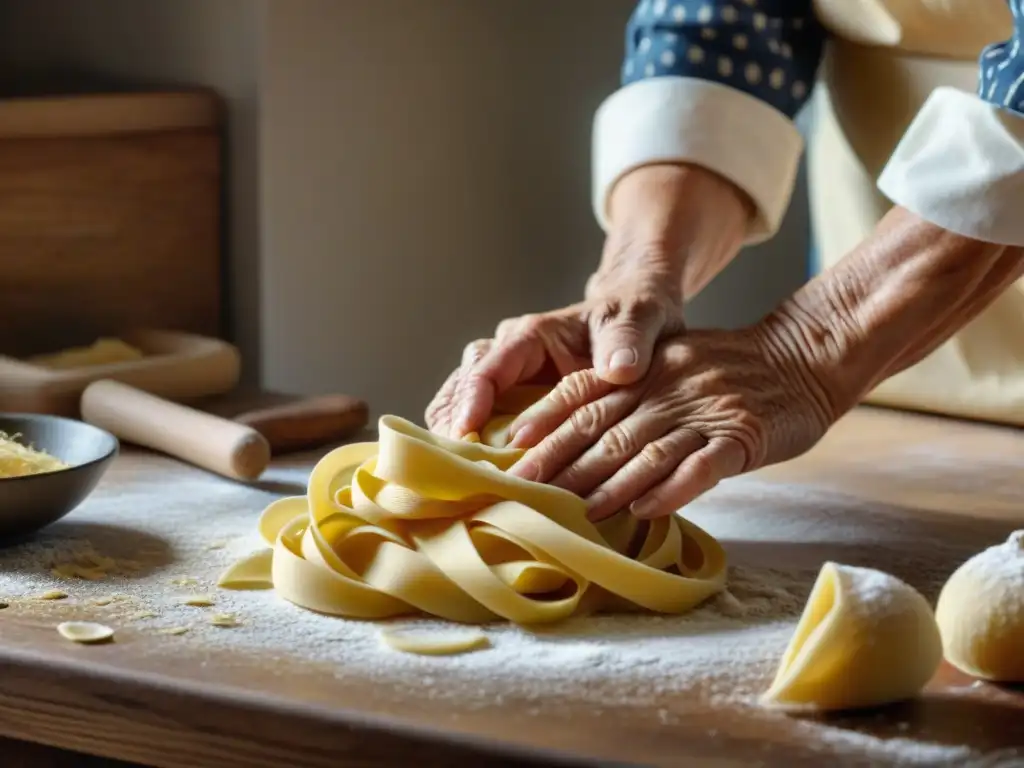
179	529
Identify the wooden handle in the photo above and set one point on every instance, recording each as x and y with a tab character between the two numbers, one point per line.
219	445
308	423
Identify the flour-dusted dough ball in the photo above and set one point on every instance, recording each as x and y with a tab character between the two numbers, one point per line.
981	613
865	639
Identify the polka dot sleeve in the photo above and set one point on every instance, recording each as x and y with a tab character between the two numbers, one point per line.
1001	80
769	49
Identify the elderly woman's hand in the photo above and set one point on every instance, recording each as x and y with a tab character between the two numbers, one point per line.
715	404
615	334
718	403
673	229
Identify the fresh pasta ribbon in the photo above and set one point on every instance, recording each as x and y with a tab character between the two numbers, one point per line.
417	523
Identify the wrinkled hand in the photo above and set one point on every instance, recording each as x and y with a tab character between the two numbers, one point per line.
715	404
673	227
614	333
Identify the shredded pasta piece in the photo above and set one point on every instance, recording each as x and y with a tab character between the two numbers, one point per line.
17	460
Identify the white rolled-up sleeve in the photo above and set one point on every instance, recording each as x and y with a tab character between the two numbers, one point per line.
698	121
960	165
715	84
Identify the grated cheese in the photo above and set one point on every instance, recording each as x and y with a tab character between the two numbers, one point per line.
17	460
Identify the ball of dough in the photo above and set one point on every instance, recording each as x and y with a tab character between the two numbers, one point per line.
981	613
865	639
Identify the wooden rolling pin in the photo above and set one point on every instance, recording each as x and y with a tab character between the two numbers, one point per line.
226	447
306	423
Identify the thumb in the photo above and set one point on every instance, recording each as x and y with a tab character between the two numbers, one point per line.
623	345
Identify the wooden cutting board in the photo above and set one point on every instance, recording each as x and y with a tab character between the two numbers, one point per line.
177	366
110	217
916	487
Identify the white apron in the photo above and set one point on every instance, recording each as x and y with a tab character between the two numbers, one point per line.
885	58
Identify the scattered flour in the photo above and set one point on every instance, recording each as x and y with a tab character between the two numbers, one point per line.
876	595
179	529
899	750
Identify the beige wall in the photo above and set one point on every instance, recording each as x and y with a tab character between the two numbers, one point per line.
404	173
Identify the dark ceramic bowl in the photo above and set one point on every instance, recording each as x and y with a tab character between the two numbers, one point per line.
31	502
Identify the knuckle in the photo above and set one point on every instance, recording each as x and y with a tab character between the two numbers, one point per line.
639	310
682	356
544	458
655	455
745	422
588	419
739	416
532	325
620	441
475	350
470	383
604	313
572	478
576	386
643	309
715	380
739	456
703	468
505	328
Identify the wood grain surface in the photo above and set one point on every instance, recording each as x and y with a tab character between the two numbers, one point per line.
23	754
109	218
134	700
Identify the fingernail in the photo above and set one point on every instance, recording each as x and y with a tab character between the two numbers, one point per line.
644	509
622	358
596	500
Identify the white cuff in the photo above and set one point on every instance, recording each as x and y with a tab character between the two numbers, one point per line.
960	165
686	119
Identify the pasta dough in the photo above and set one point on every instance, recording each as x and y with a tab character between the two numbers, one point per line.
865	639
981	613
252	572
84	632
432	642
418	523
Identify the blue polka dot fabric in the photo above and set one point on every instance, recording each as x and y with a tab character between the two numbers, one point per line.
769	49
1001	81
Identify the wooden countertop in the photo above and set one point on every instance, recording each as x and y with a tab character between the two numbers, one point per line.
918	487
